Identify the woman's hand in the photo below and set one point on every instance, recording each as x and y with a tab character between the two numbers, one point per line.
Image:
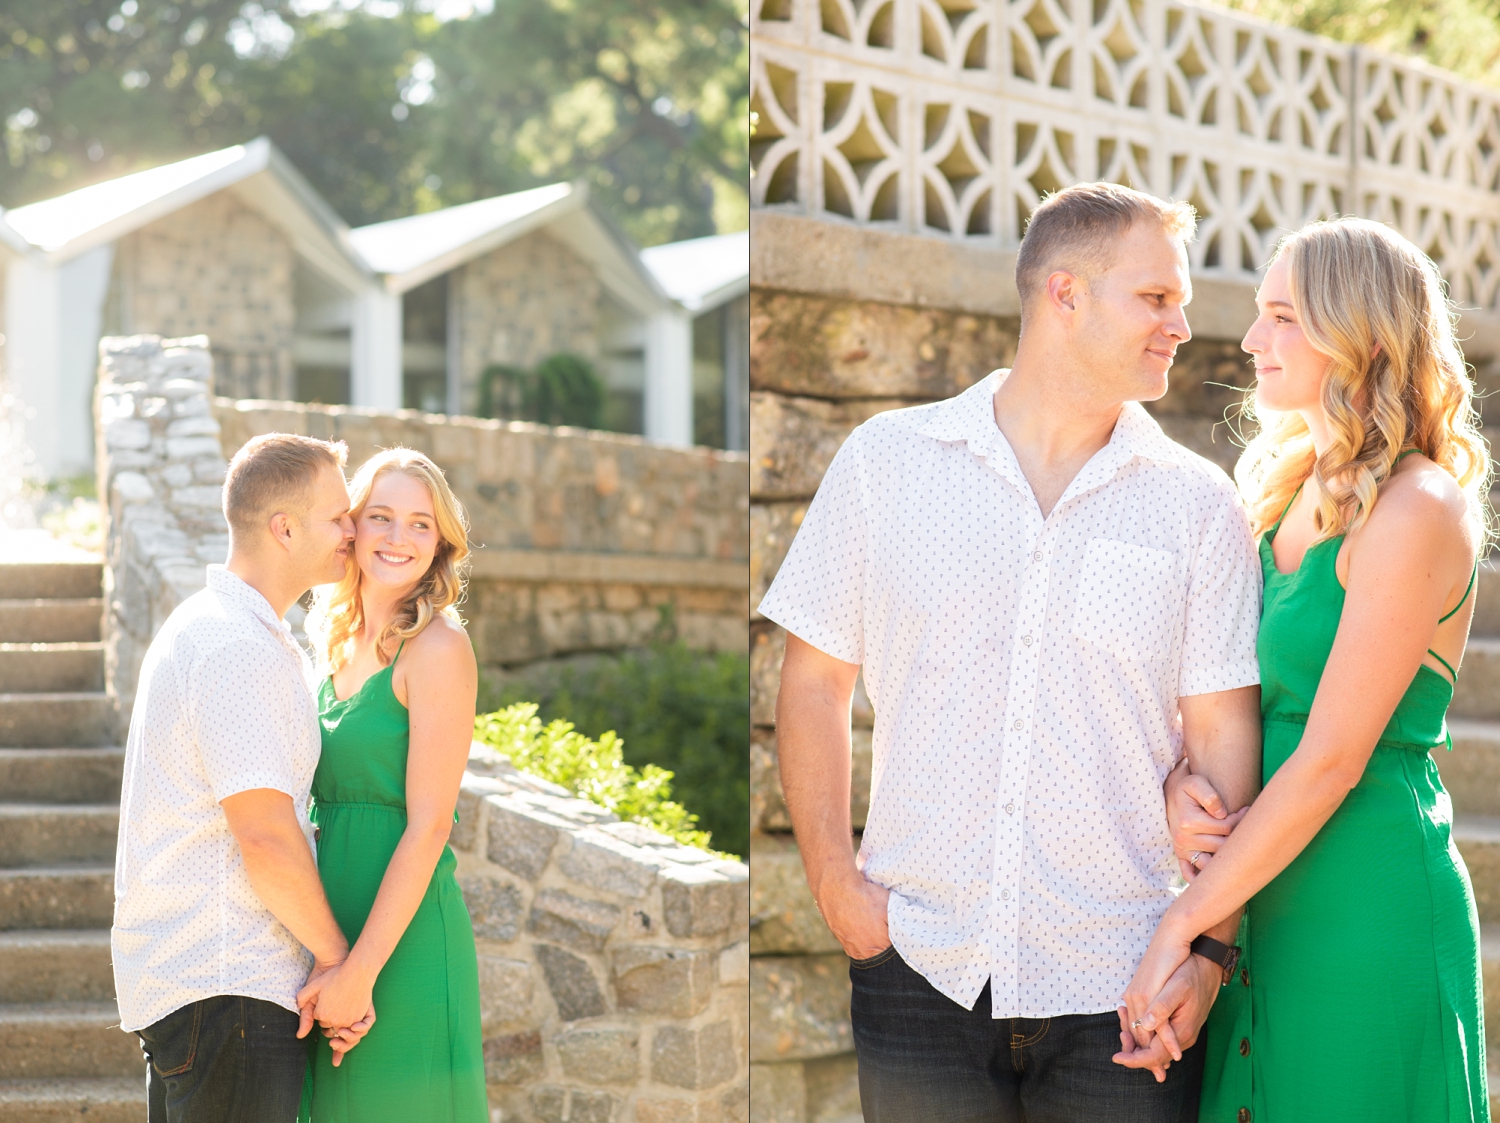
1197	819
1147	1014
339	1000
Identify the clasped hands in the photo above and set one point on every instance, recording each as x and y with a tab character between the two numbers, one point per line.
338	997
1173	990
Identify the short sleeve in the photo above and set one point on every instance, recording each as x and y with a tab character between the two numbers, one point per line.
244	708
1223	608
818	593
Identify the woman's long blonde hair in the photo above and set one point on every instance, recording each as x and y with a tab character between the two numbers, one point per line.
338	614
1355	284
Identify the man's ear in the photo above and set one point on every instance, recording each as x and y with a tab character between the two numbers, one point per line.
1063	289
280	526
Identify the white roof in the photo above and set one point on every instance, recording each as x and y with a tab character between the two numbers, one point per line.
53	223
702	273
71	224
423	246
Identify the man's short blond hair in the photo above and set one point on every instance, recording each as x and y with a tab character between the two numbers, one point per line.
274	473
1078	229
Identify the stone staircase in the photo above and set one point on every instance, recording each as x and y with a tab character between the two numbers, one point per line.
62	1055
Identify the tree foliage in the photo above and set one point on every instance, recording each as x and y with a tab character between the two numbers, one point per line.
388	109
1459	35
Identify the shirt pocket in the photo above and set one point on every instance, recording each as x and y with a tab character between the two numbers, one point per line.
1128	599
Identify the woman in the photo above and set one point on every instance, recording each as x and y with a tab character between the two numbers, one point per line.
397	711
1360	997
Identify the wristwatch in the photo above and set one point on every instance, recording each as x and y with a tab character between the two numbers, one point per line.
1225	956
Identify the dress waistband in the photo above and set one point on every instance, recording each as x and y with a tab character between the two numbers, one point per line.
1387	742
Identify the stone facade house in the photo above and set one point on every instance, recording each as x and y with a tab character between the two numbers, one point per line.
236	245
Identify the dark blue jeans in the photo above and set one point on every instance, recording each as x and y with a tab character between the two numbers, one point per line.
226	1059
923	1057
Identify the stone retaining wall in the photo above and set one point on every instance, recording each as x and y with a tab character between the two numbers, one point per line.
583	537
614	963
859	324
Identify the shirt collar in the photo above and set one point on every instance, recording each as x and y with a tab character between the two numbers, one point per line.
236	590
970	417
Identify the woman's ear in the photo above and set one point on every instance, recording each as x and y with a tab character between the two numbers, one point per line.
1374	351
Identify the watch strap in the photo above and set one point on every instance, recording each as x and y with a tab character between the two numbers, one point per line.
1224	956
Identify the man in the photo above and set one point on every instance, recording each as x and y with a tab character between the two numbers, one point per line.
1050	601
216	884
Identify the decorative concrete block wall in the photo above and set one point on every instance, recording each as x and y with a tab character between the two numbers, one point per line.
530	299
220	269
583	536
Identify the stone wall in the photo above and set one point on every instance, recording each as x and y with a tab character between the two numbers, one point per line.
614	962
823	359
216	268
583	537
520	304
160	475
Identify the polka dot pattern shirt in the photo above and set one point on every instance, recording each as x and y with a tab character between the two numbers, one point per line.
223	706
1025	673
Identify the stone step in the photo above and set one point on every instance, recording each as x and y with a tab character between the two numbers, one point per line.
49	834
53	580
51	620
102	1099
62	720
1471	772
1486	620
27	668
1478	839
1476	695
56	965
57	897
39	1042
61	775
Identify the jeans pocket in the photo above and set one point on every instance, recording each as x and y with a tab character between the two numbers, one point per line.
874	960
172	1043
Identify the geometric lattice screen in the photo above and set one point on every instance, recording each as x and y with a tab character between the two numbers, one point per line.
953	117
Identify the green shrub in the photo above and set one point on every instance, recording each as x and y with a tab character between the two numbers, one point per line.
684	710
592	770
564	389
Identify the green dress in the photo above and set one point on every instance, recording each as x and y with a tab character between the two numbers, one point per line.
422	1060
1360	995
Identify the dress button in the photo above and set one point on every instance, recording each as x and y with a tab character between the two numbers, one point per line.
1020	724
1026	640
1005	894
1245	975
1010	808
1243	1115
1244	1046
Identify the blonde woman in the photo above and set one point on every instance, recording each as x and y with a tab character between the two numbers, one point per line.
397	713
1358	996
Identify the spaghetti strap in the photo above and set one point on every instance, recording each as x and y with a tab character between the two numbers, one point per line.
396	656
1472	578
1287	509
1444	662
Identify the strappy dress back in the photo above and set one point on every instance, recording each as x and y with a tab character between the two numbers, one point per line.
1360	993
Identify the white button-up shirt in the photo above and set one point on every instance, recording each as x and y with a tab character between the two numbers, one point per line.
1025	673
223	706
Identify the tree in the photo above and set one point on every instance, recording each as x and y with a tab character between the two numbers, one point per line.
388	113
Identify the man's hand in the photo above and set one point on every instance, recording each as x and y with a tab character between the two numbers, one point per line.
855	912
1179	1010
313	1002
1197	818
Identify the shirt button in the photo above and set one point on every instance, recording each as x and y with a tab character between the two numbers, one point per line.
1005	894
1244	1046
1020	724
1026	640
1010	808
1036	556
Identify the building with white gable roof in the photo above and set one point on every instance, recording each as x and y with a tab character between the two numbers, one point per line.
237	245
